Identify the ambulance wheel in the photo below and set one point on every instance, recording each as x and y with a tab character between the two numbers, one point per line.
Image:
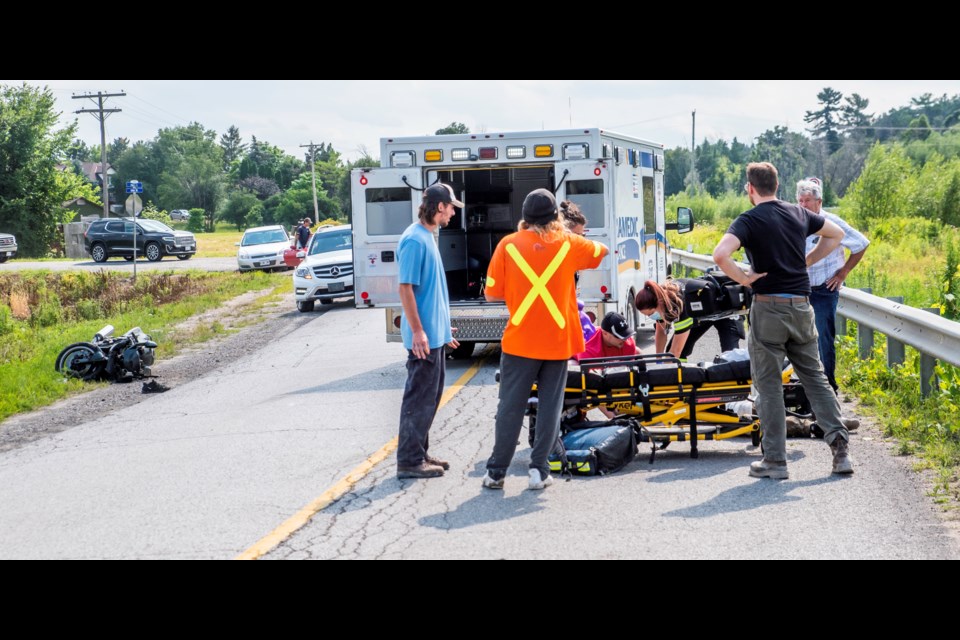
464	351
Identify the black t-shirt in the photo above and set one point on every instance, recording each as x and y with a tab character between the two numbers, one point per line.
774	234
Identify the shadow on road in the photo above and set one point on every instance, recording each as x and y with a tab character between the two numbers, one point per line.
760	492
710	463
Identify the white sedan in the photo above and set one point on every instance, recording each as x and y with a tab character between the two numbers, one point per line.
262	248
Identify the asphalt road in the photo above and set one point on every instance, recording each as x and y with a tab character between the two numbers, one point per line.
212	466
119	264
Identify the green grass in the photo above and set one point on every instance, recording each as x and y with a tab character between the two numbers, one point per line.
925	427
28	348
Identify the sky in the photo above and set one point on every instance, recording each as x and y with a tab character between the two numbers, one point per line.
354	114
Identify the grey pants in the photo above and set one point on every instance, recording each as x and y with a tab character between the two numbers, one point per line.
779	330
421	397
517	375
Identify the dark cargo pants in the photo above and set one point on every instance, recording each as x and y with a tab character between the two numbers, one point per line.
787	330
421	396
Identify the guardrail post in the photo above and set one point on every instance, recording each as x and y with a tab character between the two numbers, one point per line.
896	350
865	335
928	381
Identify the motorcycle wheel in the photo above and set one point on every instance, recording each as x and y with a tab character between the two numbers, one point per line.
74	362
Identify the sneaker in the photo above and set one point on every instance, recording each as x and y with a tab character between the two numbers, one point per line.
536	482
437	463
852	424
841	457
766	469
490	483
422	470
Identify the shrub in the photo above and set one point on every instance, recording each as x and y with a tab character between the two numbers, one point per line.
197	221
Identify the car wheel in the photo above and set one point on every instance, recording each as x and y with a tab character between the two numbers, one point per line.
305	306
99	253
152	251
184	257
3	259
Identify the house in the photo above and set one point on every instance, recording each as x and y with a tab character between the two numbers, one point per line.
83	208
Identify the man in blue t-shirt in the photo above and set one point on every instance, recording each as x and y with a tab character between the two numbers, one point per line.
774	234
425	327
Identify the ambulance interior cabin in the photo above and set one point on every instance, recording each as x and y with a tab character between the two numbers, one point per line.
493	200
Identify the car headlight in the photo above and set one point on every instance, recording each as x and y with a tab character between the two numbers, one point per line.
167	238
244	255
304	272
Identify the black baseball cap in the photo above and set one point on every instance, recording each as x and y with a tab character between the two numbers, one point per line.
539	207
615	324
441	192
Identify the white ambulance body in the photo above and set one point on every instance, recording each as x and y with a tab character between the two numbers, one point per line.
616	180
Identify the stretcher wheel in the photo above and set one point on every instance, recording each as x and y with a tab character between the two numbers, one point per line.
755	437
532	429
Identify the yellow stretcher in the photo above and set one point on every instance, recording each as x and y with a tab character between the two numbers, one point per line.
673	401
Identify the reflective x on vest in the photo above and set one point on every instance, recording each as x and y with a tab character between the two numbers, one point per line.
539	285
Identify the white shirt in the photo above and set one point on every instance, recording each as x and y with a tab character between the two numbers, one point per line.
828	267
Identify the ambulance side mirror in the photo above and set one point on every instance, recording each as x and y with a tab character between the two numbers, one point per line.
684	223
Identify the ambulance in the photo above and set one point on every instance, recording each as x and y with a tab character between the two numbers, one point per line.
616	180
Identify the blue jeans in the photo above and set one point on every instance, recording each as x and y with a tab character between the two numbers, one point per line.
824	303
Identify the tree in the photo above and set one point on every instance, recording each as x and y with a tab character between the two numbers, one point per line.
190	168
453	127
233	147
263	188
33	185
116	149
825	121
790	152
235	210
854	118
918	129
676	167
297	202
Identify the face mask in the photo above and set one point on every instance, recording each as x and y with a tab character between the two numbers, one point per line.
655	316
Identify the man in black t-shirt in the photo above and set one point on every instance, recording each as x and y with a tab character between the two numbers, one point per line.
773	234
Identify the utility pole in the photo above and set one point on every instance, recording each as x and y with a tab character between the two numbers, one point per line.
313	171
693	148
101	114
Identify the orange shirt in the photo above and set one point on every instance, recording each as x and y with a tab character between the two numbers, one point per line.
536	280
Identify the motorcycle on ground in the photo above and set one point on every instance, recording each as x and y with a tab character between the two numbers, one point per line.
118	359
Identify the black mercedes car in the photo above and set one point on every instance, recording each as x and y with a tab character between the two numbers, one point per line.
110	237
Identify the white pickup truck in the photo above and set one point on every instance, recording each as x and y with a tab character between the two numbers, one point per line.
8	247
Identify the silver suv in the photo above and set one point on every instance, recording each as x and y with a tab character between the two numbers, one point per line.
179	215
8	247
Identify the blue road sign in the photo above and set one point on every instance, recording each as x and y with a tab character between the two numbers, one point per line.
134	186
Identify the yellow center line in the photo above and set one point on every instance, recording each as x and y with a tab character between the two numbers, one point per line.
334	493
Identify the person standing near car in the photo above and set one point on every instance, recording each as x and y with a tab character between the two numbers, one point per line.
303	233
532	271
425	327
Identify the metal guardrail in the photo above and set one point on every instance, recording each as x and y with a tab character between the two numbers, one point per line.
926	332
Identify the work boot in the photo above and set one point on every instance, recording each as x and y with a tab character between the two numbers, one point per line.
437	463
852	424
422	470
841	458
797	428
767	469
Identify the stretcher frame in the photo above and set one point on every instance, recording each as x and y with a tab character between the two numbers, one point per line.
676	412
